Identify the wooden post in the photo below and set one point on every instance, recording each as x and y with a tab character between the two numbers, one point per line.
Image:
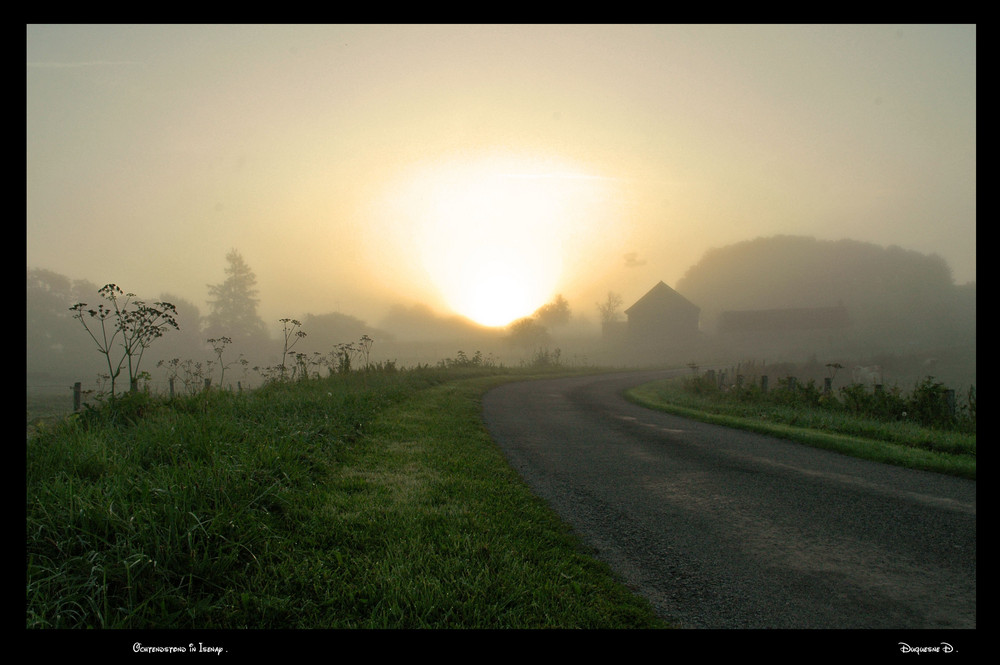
77	395
208	383
171	387
763	383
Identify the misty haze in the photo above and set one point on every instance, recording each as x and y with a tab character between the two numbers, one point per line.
782	299
251	206
374	186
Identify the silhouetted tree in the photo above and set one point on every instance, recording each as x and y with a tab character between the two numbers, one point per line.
328	330
419	322
187	343
609	308
527	333
555	313
233	303
54	344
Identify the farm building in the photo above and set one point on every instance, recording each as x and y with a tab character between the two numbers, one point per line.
784	332
779	320
662	316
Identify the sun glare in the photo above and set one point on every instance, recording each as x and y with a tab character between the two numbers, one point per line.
496	285
492	234
492	241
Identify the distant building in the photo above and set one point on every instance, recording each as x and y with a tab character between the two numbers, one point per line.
662	316
784	320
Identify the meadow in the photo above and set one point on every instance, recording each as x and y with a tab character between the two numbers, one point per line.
365	499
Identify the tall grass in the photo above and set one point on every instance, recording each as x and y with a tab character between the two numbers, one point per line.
871	425
362	500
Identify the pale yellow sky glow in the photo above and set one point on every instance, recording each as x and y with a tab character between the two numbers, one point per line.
482	169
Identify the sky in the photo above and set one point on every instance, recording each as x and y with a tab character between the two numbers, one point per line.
483	169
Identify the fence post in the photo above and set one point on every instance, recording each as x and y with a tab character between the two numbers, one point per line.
763	383
171	387
76	395
208	383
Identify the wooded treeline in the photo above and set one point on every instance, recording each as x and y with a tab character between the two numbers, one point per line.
898	301
894	297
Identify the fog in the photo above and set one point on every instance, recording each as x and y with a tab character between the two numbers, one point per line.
434	183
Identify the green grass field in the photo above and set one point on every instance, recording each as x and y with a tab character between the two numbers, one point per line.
374	501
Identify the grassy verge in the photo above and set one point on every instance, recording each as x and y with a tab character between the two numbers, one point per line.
901	444
333	503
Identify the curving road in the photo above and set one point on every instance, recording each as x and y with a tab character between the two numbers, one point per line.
725	529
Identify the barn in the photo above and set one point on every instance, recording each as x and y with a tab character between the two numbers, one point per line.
662	316
780	320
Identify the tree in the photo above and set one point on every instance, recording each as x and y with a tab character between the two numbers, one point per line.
189	341
233	303
328	330
555	313
609	308
528	333
894	296
54	345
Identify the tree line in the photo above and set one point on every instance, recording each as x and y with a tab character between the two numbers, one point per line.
57	305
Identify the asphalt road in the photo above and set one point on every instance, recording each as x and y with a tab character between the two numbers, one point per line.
720	528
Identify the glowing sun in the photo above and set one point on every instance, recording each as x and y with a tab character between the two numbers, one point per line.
491	246
493	236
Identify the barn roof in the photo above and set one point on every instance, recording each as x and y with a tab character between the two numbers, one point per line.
661	297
